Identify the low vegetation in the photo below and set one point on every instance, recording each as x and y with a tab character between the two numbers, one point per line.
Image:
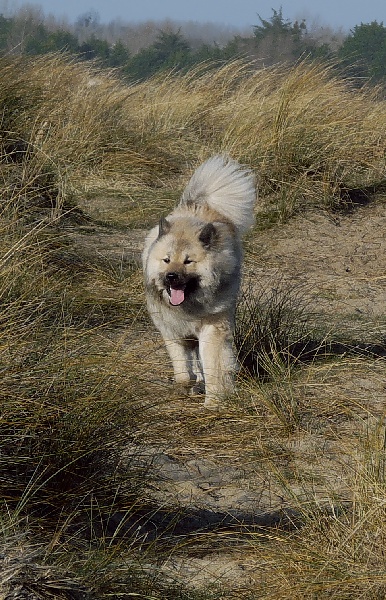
139	51
83	408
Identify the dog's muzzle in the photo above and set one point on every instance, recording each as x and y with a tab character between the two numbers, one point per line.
175	287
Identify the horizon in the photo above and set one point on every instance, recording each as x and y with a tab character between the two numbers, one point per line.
338	15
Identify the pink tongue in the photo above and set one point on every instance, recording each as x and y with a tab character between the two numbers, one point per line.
176	297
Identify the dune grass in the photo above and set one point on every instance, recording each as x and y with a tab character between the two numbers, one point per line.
310	138
80	396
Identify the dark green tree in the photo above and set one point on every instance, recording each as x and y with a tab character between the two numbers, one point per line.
64	41
119	55
214	53
41	41
275	26
37	41
94	48
5	28
363	53
279	40
168	51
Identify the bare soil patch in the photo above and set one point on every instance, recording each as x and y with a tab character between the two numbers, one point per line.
341	260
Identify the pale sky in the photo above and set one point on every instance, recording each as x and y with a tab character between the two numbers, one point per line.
235	13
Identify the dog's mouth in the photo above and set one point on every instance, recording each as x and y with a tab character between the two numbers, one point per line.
176	295
178	288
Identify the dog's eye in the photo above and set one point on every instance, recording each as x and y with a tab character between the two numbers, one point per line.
166	260
187	261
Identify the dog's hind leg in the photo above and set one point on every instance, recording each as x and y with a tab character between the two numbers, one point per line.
199	387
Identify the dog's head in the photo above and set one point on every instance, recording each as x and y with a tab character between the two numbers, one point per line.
180	259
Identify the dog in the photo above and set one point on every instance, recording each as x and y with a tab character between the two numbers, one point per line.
192	269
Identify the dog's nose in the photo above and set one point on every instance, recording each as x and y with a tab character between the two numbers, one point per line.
171	277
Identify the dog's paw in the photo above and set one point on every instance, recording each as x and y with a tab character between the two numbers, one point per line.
198	389
212	403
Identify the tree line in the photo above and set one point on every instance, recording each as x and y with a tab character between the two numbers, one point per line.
361	54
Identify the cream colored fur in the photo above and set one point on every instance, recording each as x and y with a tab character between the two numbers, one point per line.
192	259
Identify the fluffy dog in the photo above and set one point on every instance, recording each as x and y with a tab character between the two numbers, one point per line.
192	268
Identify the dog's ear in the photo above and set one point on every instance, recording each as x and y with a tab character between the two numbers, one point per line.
208	235
163	227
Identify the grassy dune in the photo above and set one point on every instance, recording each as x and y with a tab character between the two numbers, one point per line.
81	402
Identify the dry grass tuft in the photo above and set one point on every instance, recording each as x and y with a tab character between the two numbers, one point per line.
310	138
337	550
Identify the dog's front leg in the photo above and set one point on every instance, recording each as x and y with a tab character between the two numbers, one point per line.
182	360
218	362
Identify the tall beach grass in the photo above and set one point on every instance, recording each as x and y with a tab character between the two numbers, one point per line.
79	390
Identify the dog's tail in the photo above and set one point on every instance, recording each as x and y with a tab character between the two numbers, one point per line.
227	187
